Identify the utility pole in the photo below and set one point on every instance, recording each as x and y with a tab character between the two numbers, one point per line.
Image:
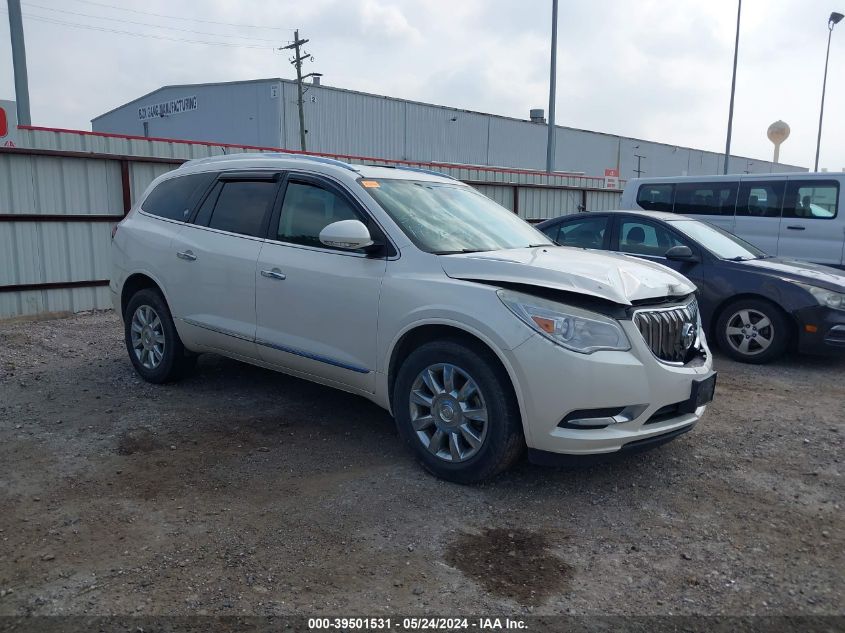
19	62
733	90
639	158
550	143
299	57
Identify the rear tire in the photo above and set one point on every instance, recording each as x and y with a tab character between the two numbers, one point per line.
753	331
455	407
153	344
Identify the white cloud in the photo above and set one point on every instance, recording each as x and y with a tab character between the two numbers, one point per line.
651	69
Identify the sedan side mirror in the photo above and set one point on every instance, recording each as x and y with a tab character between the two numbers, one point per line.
346	234
681	253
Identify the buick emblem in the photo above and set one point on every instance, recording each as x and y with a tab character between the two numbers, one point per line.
688	335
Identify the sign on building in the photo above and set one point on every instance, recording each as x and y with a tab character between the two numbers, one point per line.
8	124
611	178
167	108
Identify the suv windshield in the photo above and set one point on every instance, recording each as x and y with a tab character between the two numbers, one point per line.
722	244
446	218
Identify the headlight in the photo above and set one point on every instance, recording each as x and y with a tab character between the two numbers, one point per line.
835	300
572	328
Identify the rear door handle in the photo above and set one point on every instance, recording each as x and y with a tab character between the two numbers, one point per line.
187	255
274	274
796	228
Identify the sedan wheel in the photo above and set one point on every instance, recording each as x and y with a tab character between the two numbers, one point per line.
750	332
448	412
753	330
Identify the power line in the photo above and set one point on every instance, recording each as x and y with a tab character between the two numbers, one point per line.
103	29
176	17
158	26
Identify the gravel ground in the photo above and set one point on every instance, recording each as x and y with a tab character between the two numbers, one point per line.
243	491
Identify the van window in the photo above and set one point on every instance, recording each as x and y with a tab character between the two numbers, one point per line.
241	206
706	198
657	197
811	199
175	198
760	199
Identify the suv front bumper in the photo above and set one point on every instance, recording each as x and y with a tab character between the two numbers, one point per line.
637	396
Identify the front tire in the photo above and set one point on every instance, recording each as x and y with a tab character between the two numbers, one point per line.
752	331
154	346
455	407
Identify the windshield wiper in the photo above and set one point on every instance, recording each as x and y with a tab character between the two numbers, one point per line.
740	258
461	251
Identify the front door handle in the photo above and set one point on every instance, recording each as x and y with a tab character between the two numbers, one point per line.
187	255
274	274
796	228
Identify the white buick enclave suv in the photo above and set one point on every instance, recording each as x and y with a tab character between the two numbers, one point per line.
477	333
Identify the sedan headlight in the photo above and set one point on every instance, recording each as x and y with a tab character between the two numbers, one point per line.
829	298
570	327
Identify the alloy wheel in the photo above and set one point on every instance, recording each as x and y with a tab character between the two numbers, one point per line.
148	341
448	412
750	332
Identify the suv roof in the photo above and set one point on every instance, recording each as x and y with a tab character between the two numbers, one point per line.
249	160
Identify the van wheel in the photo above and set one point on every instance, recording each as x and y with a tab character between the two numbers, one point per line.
154	346
752	331
455	407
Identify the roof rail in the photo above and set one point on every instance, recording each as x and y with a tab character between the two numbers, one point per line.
420	170
245	155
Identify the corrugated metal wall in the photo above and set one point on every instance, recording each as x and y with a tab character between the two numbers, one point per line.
363	124
63	176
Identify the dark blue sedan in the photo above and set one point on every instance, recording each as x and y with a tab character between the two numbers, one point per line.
753	306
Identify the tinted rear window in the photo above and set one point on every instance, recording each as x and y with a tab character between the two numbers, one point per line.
242	206
706	198
656	197
175	198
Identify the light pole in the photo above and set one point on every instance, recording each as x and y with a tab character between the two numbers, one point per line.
733	89
832	21
550	142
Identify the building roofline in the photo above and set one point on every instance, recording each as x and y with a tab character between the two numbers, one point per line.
433	105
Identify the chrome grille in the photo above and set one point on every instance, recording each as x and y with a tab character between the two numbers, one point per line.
663	330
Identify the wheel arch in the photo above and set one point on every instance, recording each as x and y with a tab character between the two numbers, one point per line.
134	283
422	333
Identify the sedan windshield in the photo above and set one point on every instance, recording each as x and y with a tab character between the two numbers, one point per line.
722	244
446	218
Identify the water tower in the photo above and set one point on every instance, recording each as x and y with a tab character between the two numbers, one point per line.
778	132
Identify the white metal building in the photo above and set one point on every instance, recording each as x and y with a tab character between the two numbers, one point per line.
263	112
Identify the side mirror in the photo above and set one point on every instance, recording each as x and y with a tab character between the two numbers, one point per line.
346	234
681	254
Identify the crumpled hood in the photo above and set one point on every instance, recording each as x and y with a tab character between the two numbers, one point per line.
804	272
618	278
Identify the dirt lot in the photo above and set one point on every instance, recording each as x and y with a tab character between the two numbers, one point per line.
243	491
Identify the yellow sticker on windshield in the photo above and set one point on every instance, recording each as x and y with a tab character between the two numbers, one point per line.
370	184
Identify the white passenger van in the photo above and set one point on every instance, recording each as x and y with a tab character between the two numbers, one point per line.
796	215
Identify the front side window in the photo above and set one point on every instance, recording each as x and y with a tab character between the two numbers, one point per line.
811	199
444	218
760	199
307	210
656	197
709	198
174	198
586	233
239	206
639	237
